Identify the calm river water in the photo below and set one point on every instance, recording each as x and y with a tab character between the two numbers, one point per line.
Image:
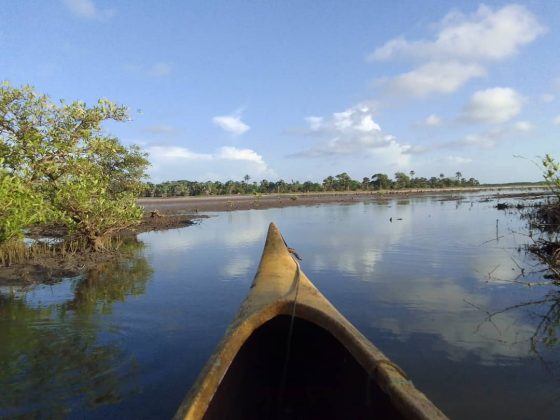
129	339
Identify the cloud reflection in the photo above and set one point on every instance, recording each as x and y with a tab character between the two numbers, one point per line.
428	273
449	311
362	246
225	229
237	267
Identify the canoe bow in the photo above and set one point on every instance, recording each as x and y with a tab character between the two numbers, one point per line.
277	282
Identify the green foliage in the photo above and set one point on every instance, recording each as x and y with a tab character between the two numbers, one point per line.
552	174
402	180
340	182
60	156
19	207
381	181
91	209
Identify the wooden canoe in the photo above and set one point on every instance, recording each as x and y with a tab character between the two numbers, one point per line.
290	354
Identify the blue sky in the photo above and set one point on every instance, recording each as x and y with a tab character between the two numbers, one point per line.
305	89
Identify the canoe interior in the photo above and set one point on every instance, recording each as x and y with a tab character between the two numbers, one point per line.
323	380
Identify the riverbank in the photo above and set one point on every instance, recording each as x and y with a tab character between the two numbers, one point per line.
207	204
177	212
48	266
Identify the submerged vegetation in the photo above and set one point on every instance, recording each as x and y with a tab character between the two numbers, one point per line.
57	165
546	220
340	182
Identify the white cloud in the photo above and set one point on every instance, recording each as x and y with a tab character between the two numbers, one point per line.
88	10
160	69
485	35
435	77
461	46
176	153
394	154
495	105
485	140
160	129
175	162
352	132
556	120
233	153
315	123
523	126
547	98
489	138
432	121
458	160
231	123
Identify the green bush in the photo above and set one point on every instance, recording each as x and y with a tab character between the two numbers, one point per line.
57	163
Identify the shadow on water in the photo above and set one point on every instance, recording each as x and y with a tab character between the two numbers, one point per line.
52	354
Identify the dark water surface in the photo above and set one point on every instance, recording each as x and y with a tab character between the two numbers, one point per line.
128	339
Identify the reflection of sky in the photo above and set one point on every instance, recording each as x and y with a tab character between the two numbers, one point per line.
44	294
428	266
412	286
426	269
237	234
237	267
440	307
225	239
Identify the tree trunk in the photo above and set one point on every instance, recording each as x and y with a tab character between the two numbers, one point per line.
95	243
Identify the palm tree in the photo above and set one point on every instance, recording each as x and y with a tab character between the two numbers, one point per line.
380	181
328	183
344	180
365	183
280	185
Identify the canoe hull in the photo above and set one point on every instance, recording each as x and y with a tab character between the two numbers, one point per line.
323	380
361	376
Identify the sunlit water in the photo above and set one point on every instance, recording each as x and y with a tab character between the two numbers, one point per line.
129	339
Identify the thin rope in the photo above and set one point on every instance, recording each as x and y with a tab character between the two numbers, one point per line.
294	255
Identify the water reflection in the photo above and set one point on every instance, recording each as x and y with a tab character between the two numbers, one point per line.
420	288
245	228
360	241
53	356
237	267
429	273
545	336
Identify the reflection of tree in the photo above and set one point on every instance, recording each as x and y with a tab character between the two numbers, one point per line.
50	357
110	282
544	231
547	330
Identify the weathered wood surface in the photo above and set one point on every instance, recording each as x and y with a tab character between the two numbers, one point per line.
272	294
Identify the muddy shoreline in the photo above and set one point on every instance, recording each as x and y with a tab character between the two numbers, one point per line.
48	268
193	206
177	212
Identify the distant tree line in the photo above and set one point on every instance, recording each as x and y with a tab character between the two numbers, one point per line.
340	182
